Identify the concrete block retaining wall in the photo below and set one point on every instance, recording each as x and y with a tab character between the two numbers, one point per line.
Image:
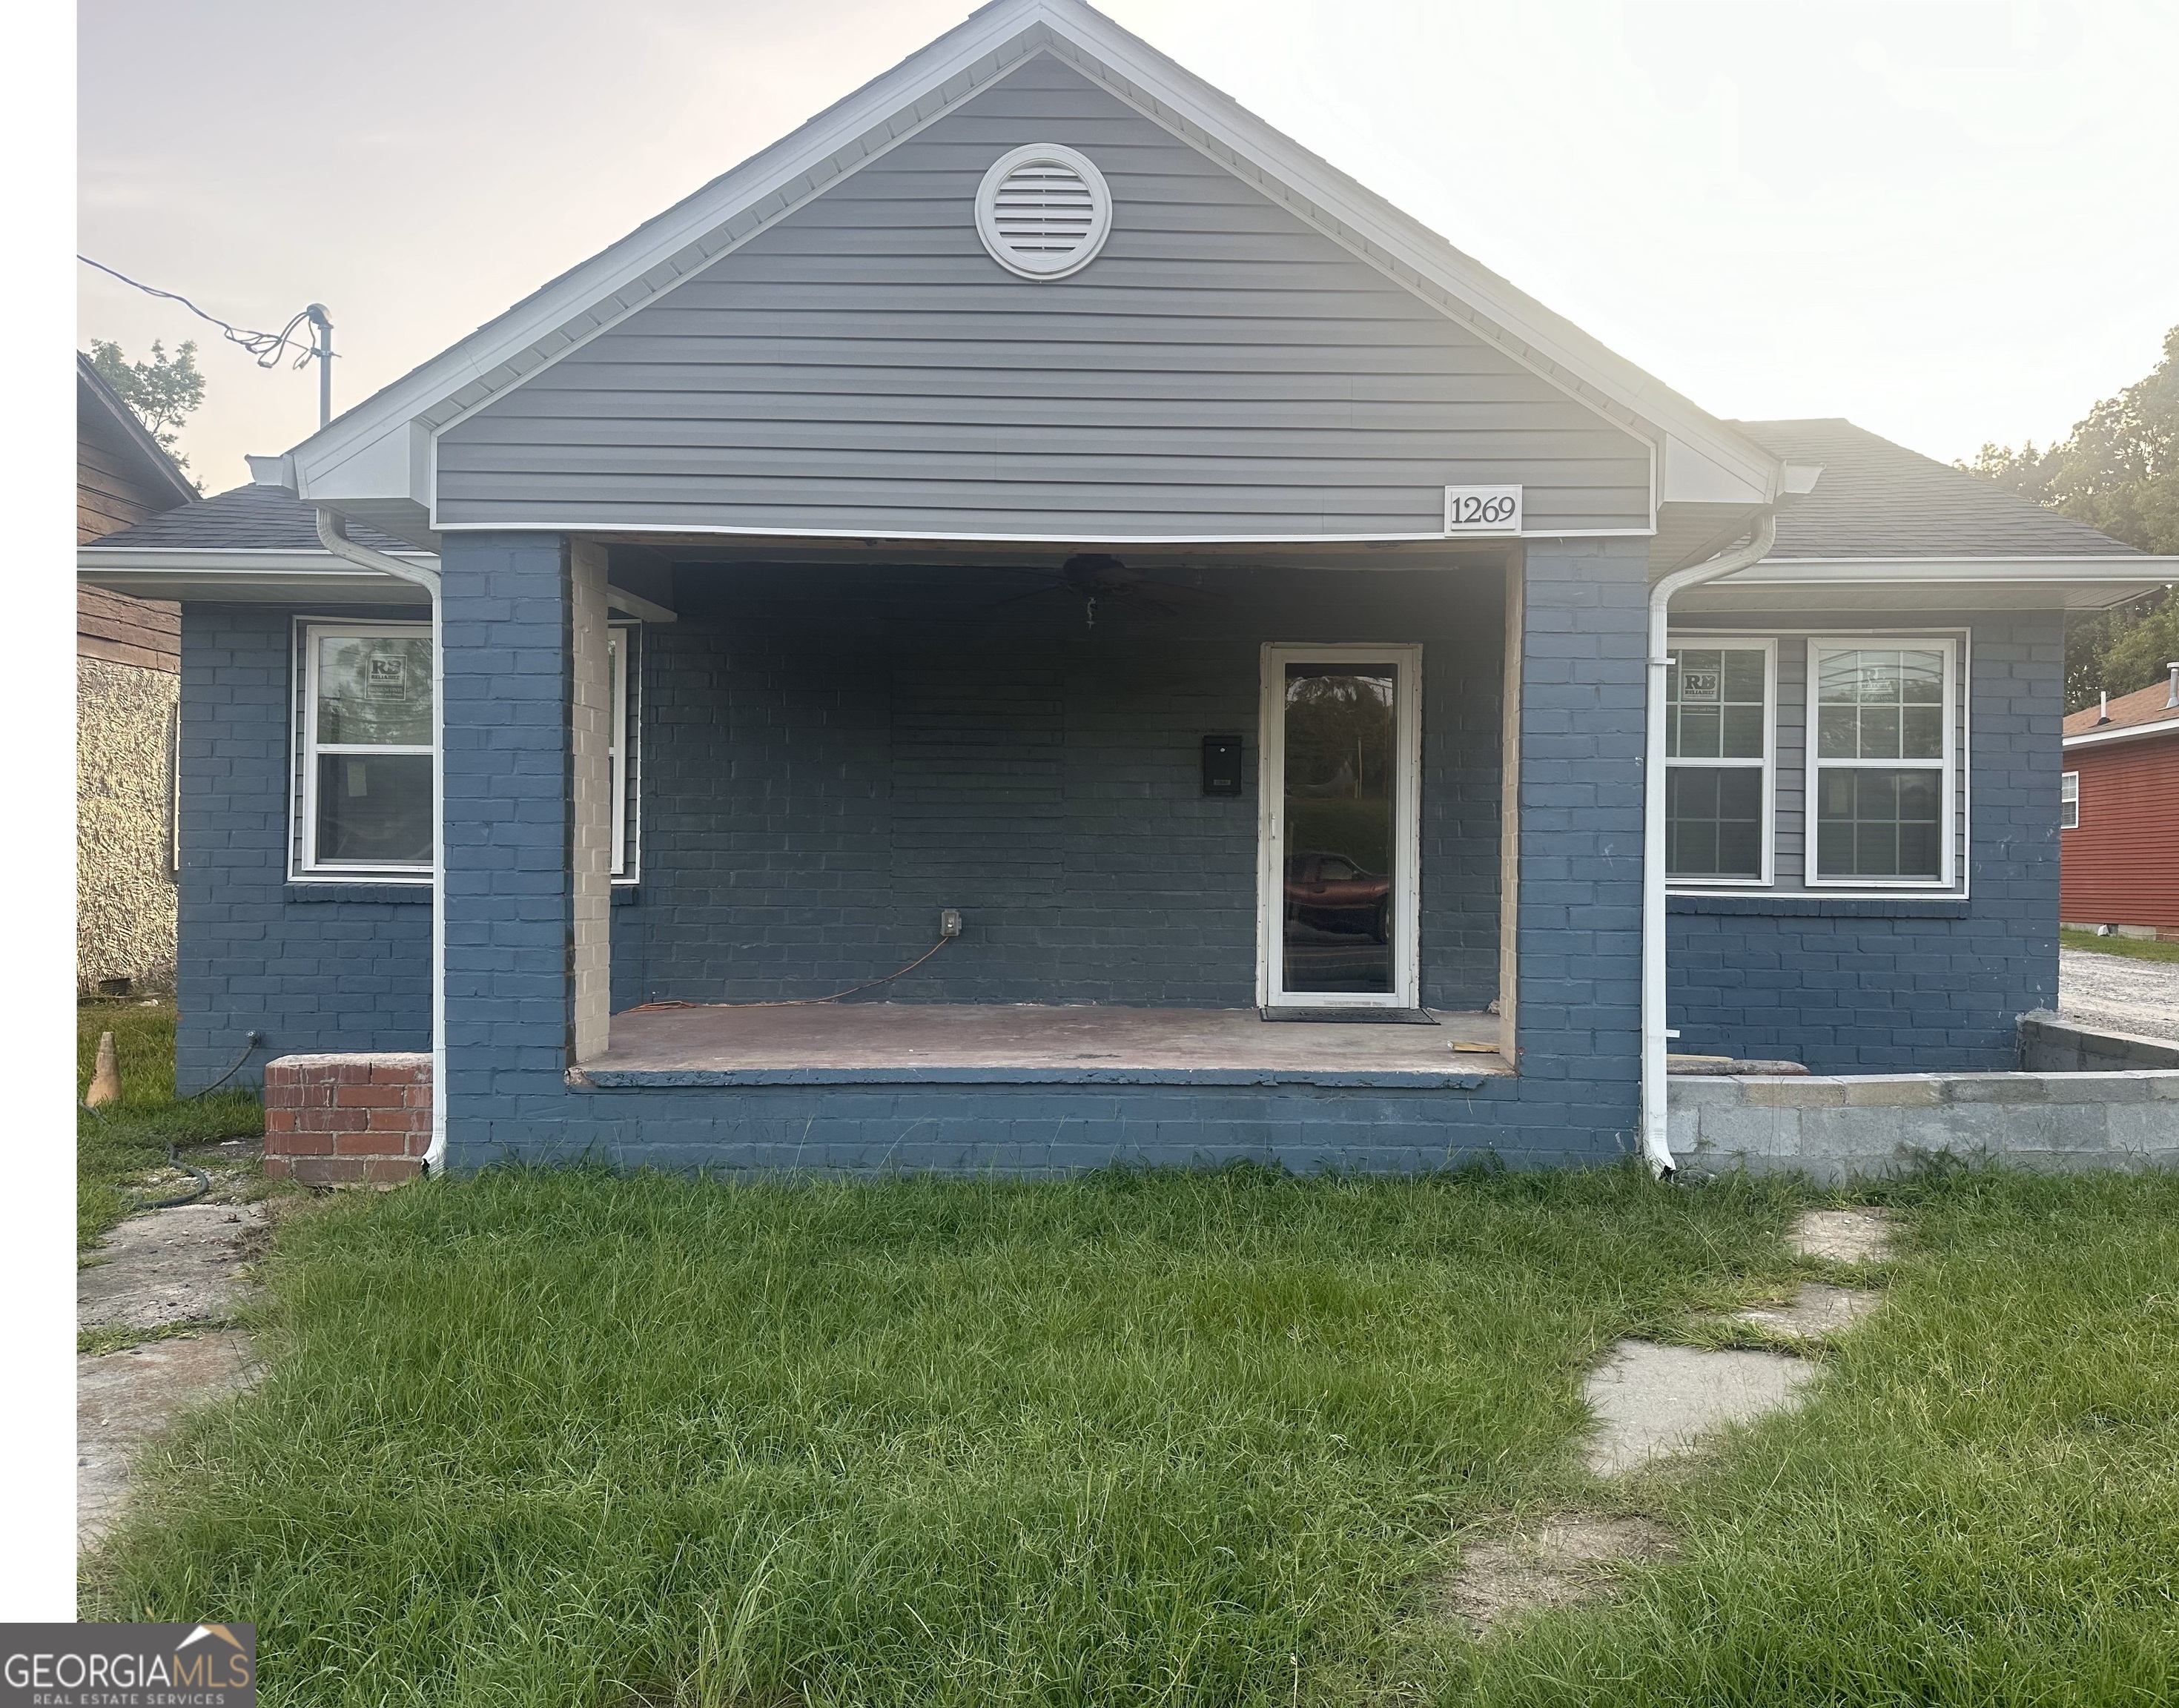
347	1120
2049	1045
1837	1127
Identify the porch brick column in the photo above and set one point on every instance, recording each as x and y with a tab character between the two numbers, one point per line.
506	623
1584	636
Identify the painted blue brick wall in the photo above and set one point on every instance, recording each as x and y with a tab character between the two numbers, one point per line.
1580	924
831	756
1855	988
316	976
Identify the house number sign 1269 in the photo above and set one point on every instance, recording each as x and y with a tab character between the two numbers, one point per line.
1482	509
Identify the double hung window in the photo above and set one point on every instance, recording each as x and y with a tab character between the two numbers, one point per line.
1880	773
2069	800
1717	761
365	794
364	748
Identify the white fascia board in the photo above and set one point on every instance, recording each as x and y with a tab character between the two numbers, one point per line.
254	577
1690	475
2143	574
395	464
2132	732
345	459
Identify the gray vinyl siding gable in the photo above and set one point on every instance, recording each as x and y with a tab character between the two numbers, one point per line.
863	366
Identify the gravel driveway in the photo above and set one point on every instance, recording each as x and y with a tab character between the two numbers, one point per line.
2118	994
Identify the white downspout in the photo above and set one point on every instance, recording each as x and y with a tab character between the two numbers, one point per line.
332	535
1656	1146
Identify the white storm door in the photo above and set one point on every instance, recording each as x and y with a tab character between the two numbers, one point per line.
1340	782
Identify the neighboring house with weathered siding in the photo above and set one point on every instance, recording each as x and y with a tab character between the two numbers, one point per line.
1037	499
127	690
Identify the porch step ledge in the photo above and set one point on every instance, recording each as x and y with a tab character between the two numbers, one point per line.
1357	1080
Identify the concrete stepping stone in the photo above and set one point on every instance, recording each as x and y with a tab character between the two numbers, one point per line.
1568	1559
1815	1311
1859	1235
169	1266
125	1400
1653	1401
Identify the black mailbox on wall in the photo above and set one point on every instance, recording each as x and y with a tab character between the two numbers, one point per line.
1221	765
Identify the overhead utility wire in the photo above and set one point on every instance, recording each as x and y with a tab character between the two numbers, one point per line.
267	346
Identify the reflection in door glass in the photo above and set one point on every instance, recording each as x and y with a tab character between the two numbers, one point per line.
1338	829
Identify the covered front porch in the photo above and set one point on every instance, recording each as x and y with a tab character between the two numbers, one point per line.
826	757
1172	807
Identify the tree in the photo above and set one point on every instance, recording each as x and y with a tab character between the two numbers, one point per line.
161	393
2117	470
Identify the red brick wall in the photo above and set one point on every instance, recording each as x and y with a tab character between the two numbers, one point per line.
347	1120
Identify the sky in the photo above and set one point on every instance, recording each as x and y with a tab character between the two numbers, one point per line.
1948	220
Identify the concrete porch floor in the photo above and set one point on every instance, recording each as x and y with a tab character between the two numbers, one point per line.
1019	1043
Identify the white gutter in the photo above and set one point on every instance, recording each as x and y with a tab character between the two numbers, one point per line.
332	535
1656	1147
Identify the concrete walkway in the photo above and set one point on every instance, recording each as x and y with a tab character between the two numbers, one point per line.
1653	1401
2119	993
185	1268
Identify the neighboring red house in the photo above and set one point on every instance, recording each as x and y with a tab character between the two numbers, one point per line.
2120	812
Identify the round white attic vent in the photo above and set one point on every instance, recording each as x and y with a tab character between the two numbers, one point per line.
1043	210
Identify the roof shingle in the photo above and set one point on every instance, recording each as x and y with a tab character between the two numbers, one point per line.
1877	499
249	518
2150	705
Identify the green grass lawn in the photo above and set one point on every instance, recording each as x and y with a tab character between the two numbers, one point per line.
116	1145
561	1438
2133	948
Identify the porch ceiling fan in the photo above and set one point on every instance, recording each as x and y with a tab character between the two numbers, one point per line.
1095	576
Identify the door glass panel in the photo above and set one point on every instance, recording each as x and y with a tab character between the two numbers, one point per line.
1341	760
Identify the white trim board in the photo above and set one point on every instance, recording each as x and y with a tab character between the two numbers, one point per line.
381	449
2089	582
2132	732
1435	536
1405	933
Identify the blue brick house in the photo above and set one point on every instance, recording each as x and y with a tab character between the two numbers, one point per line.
1036	623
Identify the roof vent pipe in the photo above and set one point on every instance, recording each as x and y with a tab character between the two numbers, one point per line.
2171	699
2103	706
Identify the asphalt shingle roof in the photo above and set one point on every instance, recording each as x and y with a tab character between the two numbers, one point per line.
249	518
1877	499
2150	705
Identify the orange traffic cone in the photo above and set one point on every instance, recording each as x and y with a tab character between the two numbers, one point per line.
106	1078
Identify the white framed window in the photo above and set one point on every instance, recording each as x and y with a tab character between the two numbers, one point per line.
1884	761
2069	800
623	648
1339	839
363	751
362	798
1720	749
